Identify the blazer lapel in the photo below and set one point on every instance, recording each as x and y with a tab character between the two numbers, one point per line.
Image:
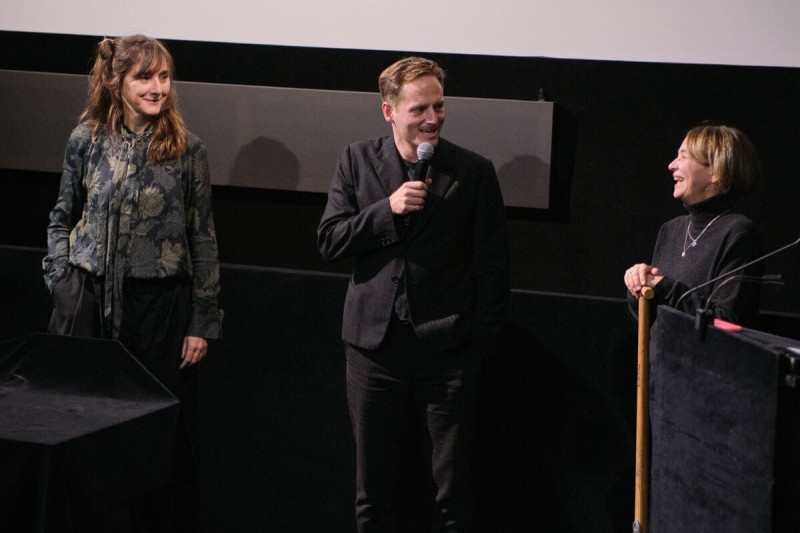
388	166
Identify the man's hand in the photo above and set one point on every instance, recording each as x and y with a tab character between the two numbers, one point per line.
410	197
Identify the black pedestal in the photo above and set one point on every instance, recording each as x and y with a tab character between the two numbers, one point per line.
84	428
724	430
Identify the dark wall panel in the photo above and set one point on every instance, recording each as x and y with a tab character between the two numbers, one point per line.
555	448
557	402
616	127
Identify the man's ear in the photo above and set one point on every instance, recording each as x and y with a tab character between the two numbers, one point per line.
388	112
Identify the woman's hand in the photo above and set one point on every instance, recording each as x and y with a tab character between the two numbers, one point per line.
641	275
194	349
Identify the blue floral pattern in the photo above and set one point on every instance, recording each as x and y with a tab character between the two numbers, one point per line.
119	216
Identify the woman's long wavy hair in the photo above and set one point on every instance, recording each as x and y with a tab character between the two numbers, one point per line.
104	110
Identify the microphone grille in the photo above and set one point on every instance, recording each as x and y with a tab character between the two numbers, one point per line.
424	151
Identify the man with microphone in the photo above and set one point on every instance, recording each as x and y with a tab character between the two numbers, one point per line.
424	223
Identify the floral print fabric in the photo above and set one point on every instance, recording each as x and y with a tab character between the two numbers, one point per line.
118	216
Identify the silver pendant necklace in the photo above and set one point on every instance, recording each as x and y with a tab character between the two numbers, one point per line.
688	237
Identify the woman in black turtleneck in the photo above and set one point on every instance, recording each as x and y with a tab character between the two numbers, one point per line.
715	166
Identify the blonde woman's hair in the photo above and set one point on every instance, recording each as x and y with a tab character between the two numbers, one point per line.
730	155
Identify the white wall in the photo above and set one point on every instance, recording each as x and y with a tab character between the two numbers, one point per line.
735	32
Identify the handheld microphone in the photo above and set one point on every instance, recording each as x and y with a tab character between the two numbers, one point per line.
424	155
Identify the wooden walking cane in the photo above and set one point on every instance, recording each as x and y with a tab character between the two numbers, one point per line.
642	500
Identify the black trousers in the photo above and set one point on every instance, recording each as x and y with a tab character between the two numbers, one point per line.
440	389
155	316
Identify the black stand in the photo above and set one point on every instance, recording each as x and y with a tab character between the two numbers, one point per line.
84	428
724	430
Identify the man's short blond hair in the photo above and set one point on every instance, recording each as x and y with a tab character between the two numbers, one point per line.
406	70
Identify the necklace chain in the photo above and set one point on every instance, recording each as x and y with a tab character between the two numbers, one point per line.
688	236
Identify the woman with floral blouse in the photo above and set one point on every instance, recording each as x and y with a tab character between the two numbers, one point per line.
132	251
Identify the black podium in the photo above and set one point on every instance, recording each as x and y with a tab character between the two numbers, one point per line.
84	429
724	426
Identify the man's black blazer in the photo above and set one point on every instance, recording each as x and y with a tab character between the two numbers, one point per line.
454	256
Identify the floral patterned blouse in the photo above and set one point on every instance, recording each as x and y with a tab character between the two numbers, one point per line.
118	216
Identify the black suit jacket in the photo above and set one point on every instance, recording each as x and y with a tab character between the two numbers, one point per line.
454	257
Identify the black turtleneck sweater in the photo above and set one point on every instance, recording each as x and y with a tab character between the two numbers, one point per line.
724	240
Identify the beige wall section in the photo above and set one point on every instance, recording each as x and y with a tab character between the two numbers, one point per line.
728	32
280	138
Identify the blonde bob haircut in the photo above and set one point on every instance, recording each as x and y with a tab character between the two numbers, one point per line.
730	156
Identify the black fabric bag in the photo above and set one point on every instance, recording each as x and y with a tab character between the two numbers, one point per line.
76	306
